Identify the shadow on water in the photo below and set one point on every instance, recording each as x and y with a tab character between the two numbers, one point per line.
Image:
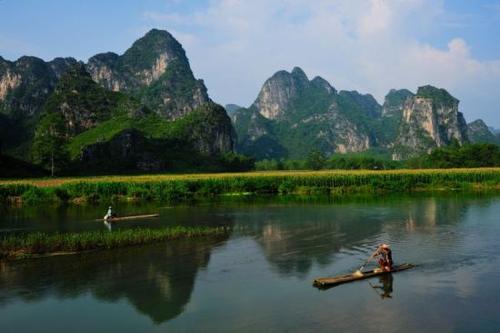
157	280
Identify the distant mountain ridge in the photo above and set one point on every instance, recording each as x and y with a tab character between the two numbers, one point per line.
231	108
293	116
478	131
145	110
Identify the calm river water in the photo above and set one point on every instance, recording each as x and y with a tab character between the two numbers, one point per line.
259	278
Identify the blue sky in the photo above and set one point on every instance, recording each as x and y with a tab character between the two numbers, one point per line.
235	45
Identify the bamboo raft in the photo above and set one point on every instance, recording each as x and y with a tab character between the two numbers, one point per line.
132	217
337	280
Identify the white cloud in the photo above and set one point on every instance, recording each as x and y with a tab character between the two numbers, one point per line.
368	45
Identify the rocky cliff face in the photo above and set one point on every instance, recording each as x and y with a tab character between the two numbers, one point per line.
25	84
115	94
83	103
156	70
210	131
279	92
293	115
387	127
256	135
394	102
430	119
479	132
60	65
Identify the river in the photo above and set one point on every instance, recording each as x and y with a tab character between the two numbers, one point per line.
259	278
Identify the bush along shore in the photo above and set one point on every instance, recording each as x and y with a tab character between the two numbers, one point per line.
165	188
40	244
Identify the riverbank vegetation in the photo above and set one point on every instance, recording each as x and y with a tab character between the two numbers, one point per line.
43	244
177	188
454	156
318	161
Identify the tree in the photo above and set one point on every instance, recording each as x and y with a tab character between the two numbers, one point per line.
316	160
49	145
456	156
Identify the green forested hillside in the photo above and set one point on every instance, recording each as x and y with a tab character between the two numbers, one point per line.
140	111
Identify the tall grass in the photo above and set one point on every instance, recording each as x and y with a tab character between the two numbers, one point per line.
186	187
25	245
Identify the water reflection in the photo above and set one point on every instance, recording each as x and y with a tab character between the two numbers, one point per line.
109	225
294	239
385	288
157	280
66	218
275	252
425	215
307	237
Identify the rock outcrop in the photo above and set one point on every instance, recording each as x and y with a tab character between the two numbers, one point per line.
479	132
293	116
25	84
430	119
280	91
83	103
156	70
210	131
394	102
232	108
256	135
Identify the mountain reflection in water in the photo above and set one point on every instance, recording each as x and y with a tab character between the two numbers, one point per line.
259	277
158	280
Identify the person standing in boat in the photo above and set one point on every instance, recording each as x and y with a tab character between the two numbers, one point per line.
385	260
109	214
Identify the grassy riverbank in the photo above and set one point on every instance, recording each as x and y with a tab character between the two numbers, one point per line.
42	244
171	188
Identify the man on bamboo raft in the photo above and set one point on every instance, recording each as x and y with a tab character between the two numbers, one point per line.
109	214
385	257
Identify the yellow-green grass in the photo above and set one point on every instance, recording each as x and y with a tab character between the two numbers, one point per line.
187	187
53	182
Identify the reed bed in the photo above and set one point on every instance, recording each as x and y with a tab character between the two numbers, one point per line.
40	244
54	182
173	188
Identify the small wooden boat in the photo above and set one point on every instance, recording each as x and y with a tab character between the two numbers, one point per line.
132	217
336	280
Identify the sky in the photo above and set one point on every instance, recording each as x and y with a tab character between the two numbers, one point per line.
370	46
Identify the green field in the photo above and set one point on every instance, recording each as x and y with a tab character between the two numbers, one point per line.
174	188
